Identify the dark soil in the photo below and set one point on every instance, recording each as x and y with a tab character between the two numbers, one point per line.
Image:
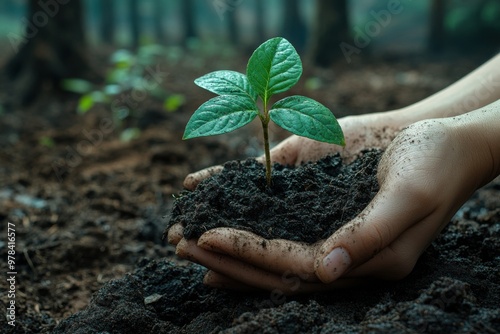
90	257
306	204
455	288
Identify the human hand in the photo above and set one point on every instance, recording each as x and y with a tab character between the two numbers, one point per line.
243	260
361	132
426	174
416	200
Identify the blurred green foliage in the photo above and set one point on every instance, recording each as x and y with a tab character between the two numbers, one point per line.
129	77
470	25
46	141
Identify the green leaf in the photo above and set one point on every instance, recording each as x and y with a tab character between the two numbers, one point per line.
226	83
220	115
130	134
118	76
308	118
174	102
85	103
78	86
273	68
122	58
112	89
99	96
313	83
46	141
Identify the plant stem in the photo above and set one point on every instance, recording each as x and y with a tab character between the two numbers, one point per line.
265	119
265	127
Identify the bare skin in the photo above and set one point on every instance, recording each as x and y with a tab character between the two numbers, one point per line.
415	201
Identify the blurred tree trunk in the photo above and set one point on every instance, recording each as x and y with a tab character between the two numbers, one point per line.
232	26
259	14
436	32
331	28
134	19
51	49
294	28
188	19
108	21
158	18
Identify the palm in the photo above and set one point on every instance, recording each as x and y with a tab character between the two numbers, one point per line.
239	259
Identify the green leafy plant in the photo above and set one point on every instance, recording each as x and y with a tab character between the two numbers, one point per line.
128	75
273	68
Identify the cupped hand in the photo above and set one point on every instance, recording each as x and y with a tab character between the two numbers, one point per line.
278	264
425	175
243	260
361	132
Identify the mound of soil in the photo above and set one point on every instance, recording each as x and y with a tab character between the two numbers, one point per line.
454	288
307	203
162	297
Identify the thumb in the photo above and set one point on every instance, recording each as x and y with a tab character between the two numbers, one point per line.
388	215
192	180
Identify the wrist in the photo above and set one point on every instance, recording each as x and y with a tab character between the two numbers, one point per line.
418	112
398	119
478	130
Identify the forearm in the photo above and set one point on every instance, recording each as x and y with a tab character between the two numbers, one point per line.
477	89
481	127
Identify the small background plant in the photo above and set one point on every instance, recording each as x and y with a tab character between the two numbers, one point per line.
273	68
127	75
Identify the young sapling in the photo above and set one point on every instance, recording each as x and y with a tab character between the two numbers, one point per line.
273	68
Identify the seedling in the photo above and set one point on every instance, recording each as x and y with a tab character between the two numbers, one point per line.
273	68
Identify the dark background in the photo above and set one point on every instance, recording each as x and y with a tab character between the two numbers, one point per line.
53	41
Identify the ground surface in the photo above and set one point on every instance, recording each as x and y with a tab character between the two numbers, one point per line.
87	218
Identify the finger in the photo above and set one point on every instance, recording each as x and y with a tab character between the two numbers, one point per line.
392	211
295	286
217	280
175	234
192	180
228	266
247	274
397	260
277	255
296	150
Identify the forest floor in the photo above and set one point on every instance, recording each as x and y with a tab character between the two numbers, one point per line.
88	208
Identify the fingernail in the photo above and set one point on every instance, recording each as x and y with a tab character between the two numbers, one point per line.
336	263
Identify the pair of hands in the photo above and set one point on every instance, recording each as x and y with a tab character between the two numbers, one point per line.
425	175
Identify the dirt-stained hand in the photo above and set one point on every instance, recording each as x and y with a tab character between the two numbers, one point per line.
242	260
426	174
